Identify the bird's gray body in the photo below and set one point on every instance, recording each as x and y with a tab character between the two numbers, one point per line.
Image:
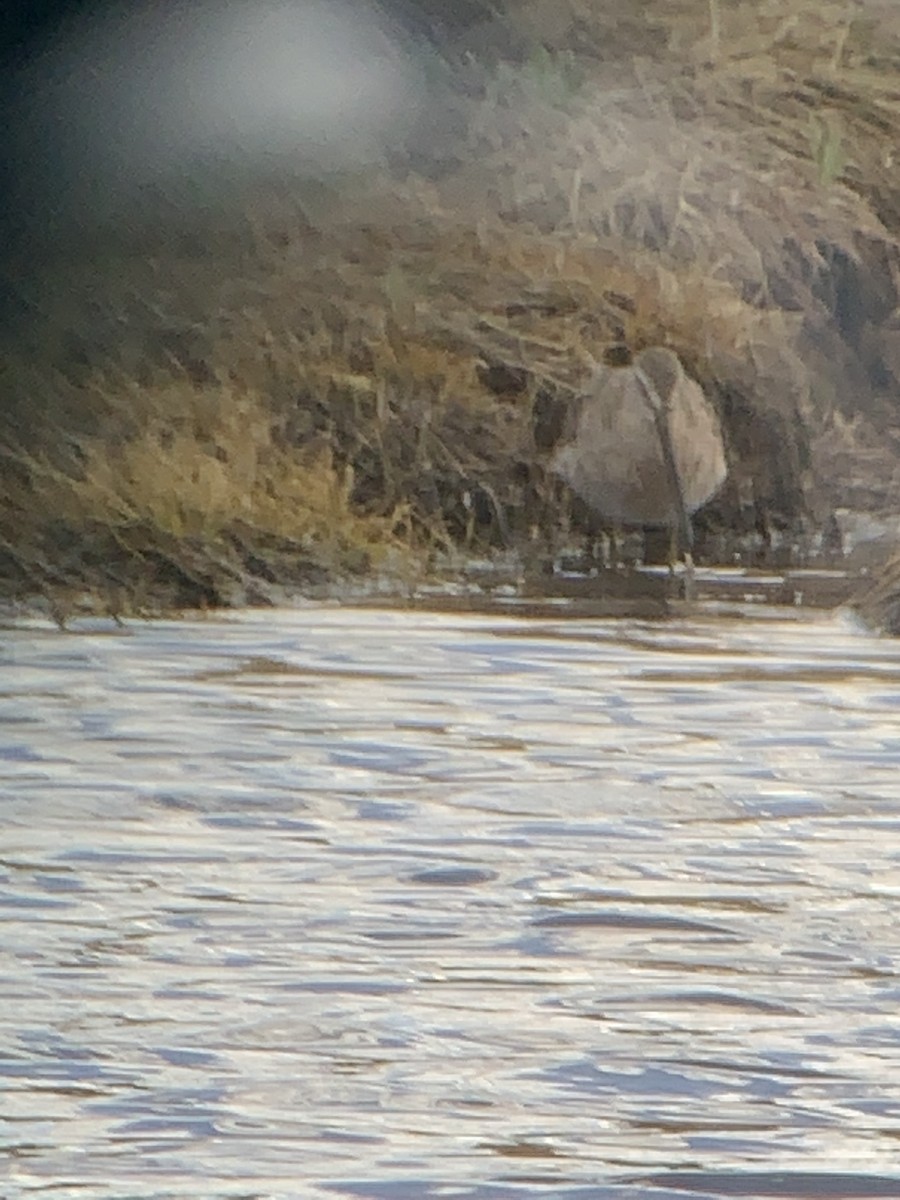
614	453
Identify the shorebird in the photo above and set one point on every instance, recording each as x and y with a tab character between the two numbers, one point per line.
643	446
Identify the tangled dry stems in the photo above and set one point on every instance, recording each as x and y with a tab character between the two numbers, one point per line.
339	373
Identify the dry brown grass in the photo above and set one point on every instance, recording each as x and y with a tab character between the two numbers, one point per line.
193	501
335	371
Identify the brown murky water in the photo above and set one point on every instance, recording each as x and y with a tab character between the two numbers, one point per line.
355	903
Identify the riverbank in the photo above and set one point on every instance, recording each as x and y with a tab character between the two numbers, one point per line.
304	379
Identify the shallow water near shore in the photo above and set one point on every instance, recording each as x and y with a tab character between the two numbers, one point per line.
375	903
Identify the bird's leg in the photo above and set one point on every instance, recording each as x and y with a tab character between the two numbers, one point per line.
690	582
607	549
676	551
614	552
593	553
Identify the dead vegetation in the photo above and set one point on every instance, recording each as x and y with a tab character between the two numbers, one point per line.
348	375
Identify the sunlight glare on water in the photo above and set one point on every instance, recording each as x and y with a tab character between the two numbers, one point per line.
331	902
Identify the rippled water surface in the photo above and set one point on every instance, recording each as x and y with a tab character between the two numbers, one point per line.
356	903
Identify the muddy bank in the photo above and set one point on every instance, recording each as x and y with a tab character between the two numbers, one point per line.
309	376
